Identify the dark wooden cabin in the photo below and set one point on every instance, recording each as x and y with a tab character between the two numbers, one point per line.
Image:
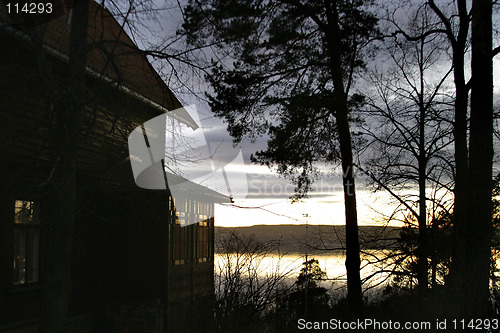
135	269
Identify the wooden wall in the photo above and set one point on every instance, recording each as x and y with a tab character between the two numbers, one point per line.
124	242
27	120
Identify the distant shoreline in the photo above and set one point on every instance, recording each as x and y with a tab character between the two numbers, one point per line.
291	238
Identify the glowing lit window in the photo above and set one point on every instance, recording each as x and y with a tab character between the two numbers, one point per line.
181	218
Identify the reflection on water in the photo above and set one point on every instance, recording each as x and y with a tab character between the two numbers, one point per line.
333	263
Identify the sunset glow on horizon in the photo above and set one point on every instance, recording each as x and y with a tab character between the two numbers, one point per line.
327	209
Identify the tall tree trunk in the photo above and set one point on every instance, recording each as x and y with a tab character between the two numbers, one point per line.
459	263
422	251
354	294
479	211
62	190
458	268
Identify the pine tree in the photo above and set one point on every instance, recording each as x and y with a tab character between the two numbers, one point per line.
294	65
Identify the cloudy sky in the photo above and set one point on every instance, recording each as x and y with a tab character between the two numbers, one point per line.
261	196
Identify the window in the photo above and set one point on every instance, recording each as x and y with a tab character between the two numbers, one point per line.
203	242
192	230
26	242
204	230
179	240
180	218
203	213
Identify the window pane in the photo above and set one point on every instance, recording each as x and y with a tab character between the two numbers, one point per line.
32	254
19	256
26	212
26	242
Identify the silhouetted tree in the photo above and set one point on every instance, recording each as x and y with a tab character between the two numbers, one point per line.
293	65
68	109
307	300
479	228
246	288
409	129
473	157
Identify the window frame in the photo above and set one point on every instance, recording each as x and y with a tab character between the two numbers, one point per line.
26	237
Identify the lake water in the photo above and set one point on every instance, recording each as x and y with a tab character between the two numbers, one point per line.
332	263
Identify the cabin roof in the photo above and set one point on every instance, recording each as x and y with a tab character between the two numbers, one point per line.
120	178
112	55
115	58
